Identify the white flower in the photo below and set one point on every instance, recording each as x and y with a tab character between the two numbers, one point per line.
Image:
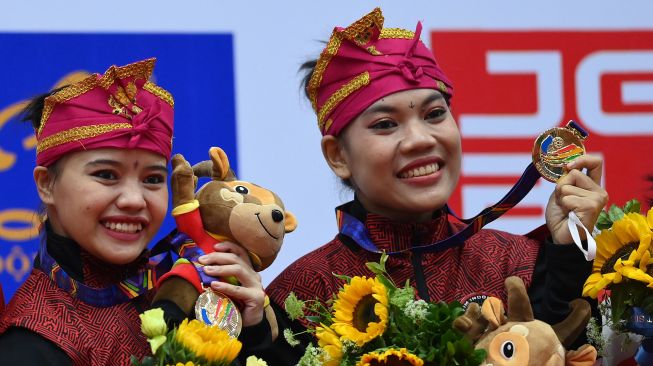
416	310
254	361
290	337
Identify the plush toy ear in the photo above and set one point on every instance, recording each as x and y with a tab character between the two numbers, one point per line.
221	169
584	356
492	311
471	324
291	222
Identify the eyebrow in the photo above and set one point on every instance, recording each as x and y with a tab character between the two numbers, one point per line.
387	108
433	97
117	164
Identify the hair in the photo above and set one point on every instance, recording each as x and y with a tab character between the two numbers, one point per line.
32	114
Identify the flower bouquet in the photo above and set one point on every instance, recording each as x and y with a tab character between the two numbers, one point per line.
371	321
193	343
622	275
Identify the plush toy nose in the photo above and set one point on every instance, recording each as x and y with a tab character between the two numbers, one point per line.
277	215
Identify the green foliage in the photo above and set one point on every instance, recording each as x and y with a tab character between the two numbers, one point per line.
606	219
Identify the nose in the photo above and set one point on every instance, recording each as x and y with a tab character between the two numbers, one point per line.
417	136
131	197
277	215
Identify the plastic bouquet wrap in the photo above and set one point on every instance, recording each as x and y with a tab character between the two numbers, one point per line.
371	321
193	343
622	275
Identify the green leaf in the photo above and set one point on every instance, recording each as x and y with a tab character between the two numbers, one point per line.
603	222
615	213
347	279
632	206
375	267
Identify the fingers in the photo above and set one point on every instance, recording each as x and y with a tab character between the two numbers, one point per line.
252	300
593	164
230	259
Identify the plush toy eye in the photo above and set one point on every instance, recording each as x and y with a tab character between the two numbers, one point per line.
507	349
242	189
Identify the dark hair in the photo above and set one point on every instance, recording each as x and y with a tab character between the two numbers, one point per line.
32	113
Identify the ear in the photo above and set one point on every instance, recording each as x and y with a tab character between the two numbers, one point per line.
291	222
492	311
220	163
44	183
335	156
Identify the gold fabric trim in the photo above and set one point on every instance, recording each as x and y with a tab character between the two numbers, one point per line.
340	94
357	32
160	93
396	33
138	70
322	63
78	133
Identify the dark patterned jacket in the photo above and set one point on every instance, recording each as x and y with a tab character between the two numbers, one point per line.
44	325
554	273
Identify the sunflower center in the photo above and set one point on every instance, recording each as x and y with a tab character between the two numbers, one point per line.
364	313
622	253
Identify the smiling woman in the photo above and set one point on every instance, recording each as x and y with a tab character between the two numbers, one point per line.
103	144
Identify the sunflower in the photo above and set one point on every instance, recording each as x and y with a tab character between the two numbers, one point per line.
210	343
394	357
622	251
329	341
361	310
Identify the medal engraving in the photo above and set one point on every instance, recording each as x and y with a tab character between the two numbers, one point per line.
555	148
216	309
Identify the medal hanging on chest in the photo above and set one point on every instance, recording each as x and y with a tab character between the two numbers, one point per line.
556	147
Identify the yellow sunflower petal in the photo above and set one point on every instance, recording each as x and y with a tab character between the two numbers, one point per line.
390	357
645	260
329	341
649	218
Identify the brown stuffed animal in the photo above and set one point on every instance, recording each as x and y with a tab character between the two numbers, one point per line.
222	209
521	340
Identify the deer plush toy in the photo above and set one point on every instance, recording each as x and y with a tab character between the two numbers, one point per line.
223	209
521	340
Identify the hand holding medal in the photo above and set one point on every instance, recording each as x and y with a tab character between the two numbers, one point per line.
559	156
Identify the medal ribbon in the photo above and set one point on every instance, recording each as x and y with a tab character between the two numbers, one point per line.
127	289
189	250
356	230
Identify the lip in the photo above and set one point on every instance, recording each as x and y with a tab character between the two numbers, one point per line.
123	236
425	179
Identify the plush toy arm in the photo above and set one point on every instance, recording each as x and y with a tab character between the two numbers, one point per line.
182	181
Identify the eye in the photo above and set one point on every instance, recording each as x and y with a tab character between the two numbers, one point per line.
154	179
507	350
383	124
105	174
436	114
241	189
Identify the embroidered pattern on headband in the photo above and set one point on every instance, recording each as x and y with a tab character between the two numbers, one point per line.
342	93
358	32
141	70
78	133
396	33
159	92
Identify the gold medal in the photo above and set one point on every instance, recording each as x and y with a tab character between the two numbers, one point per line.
556	147
216	309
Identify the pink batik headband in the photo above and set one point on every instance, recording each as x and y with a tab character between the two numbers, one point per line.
365	62
120	109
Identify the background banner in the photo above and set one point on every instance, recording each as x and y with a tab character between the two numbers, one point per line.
519	68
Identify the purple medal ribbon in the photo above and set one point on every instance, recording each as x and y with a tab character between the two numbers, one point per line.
351	227
159	263
186	248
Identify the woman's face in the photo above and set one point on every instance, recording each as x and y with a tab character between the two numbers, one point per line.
402	155
110	201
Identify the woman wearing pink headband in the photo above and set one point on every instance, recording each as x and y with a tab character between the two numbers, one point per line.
103	145
382	105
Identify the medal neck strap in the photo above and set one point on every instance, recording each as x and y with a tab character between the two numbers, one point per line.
354	229
186	248
115	294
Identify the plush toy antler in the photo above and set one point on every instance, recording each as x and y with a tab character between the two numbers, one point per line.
519	339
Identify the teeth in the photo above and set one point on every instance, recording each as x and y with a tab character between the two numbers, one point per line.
421	171
124	227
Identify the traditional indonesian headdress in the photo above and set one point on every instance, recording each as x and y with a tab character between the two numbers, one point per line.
120	109
365	62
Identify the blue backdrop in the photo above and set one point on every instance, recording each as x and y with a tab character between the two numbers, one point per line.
196	68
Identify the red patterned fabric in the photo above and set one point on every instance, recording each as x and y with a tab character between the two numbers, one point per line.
88	335
477	268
